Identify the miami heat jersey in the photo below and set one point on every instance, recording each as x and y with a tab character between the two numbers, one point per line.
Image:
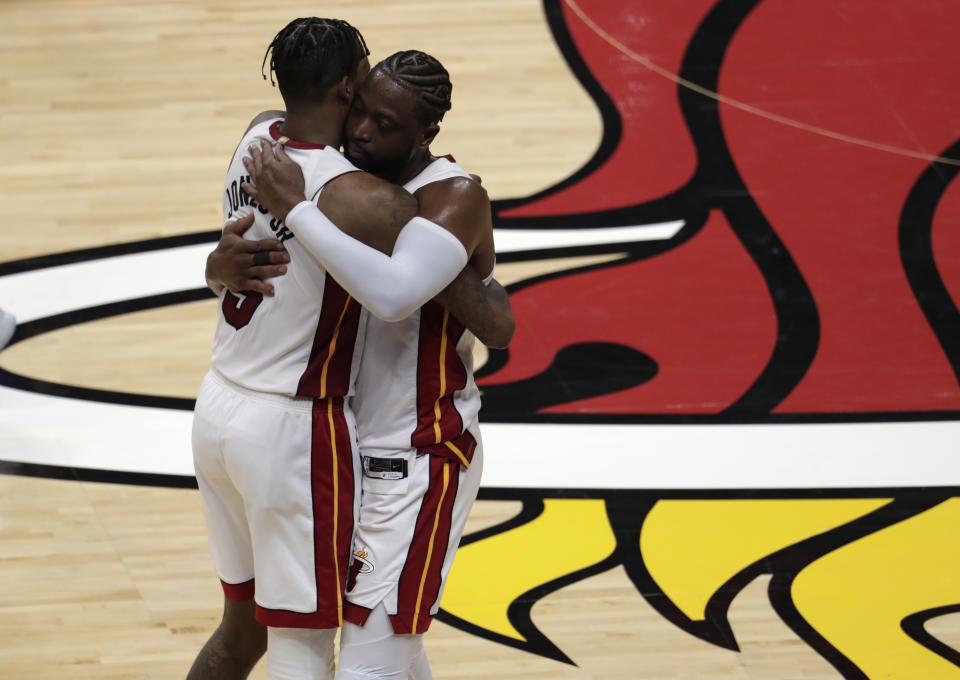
415	386
302	341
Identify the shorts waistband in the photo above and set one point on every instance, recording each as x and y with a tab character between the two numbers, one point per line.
283	400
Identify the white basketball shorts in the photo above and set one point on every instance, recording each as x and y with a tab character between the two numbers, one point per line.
412	512
278	478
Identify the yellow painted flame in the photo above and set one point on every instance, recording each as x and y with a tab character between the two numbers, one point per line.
857	595
490	574
692	547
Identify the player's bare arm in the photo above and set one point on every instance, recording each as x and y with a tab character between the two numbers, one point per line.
370	209
238	264
364	207
461	206
357	202
424	260
483	309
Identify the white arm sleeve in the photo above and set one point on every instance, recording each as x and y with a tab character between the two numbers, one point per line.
426	258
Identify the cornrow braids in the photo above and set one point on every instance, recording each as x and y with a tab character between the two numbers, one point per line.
309	55
426	77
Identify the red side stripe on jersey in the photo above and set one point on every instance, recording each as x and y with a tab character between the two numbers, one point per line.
420	580
238	592
440	373
331	358
332	485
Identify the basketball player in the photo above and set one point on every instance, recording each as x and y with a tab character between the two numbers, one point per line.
8	324
281	370
273	440
416	401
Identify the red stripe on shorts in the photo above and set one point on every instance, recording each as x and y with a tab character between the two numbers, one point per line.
333	489
420	580
238	592
355	613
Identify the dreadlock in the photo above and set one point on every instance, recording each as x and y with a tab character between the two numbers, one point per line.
310	55
426	77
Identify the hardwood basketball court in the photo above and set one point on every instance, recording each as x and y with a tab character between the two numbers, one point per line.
723	445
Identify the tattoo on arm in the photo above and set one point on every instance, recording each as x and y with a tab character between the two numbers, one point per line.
484	310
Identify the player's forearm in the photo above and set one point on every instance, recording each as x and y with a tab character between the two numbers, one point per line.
425	259
502	323
483	310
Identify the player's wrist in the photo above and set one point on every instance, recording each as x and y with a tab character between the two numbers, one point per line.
287	203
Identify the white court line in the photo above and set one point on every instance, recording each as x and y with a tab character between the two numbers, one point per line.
809	456
517	240
794	456
43	292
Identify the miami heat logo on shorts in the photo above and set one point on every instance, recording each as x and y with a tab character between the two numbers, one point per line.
366	566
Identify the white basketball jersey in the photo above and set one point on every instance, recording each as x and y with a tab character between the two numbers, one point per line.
305	341
415	387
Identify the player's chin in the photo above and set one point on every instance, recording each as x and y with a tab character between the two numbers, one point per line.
357	157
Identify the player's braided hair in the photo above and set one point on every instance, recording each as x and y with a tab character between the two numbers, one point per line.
426	77
309	55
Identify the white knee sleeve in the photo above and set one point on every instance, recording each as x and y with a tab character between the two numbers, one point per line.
300	653
419	666
374	652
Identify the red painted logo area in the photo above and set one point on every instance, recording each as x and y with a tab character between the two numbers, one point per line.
819	268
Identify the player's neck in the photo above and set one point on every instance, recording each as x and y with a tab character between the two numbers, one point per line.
413	168
317	125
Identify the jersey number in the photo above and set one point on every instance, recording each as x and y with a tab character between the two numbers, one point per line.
238	312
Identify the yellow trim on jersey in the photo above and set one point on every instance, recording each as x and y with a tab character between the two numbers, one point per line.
332	349
443	376
336	509
459	453
433	535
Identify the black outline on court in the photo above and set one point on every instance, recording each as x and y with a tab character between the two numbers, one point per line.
915	627
917	256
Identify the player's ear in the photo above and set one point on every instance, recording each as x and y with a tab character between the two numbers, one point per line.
427	135
346	88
